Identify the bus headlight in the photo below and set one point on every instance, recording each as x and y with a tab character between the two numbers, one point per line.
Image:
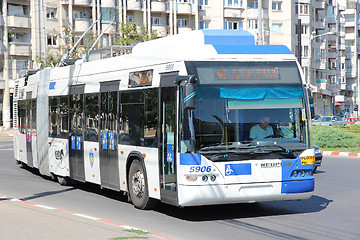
213	178
205	178
295	173
302	173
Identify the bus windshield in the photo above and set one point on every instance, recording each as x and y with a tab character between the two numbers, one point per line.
227	117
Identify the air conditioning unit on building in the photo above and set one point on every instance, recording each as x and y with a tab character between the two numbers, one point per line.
201	7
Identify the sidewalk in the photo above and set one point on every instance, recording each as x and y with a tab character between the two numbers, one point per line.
27	221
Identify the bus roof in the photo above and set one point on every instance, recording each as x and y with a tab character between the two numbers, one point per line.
208	43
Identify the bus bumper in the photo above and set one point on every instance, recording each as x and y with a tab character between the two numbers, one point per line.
244	193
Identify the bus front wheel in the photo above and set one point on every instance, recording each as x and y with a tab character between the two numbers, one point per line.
138	188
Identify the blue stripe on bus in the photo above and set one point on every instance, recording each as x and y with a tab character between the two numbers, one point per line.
298	186
190	159
248	49
237	169
228	37
52	85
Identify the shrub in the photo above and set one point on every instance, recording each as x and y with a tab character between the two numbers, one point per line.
335	137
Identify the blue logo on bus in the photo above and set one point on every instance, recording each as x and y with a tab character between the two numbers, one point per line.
237	169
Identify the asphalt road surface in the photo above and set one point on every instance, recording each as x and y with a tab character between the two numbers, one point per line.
333	212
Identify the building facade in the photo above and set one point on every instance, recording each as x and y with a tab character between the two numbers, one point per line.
329	32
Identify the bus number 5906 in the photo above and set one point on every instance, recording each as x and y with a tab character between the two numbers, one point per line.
200	169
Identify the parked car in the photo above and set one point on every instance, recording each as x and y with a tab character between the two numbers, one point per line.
330	121
352	120
318	157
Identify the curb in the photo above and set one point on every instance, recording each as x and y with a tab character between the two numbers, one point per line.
340	154
155	235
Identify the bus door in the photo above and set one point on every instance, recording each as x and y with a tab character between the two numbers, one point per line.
168	148
109	161
76	136
29	153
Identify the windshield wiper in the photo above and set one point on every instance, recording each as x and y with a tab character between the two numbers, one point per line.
222	148
279	149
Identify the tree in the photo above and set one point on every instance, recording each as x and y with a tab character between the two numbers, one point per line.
131	34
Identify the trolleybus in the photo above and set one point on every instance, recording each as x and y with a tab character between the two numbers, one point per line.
171	122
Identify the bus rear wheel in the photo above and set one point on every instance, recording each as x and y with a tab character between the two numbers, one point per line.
63	181
138	187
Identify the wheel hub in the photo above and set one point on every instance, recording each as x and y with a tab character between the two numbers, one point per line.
138	184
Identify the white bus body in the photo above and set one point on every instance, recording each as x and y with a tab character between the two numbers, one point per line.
78	122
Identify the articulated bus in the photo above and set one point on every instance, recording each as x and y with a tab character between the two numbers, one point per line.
172	122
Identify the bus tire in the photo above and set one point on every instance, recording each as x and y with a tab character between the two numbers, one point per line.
138	187
63	181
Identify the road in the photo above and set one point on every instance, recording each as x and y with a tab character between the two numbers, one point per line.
333	212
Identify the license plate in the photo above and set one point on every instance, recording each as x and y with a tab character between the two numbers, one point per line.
309	160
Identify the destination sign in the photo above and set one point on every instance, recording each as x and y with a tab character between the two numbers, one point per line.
246	73
140	78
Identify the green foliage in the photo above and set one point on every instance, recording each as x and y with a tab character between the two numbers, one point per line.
336	137
50	61
131	33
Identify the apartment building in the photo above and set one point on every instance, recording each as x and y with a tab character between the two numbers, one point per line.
31	29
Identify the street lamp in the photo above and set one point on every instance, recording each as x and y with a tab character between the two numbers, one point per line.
309	70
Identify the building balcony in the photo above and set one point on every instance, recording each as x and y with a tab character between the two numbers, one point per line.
18	22
160	30
233	12
158	6
345	87
332	54
19	49
350	24
108	3
341	98
81	25
78	2
134	5
319	24
320	4
184	8
184	29
331	20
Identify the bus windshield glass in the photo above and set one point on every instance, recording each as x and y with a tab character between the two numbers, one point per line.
228	118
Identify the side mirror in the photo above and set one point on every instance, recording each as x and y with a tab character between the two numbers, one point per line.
188	90
189	96
311	103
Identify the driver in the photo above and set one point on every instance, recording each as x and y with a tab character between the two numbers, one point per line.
261	130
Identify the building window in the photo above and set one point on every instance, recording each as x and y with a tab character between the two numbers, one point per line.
233	3
182	22
304	29
276	27
305	51
276	6
203	2
51	13
51	40
253	4
78	15
322	54
233	25
108	14
184	1
253	24
349	17
302	8
155	21
204	25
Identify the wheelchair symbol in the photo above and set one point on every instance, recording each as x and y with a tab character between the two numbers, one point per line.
228	170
